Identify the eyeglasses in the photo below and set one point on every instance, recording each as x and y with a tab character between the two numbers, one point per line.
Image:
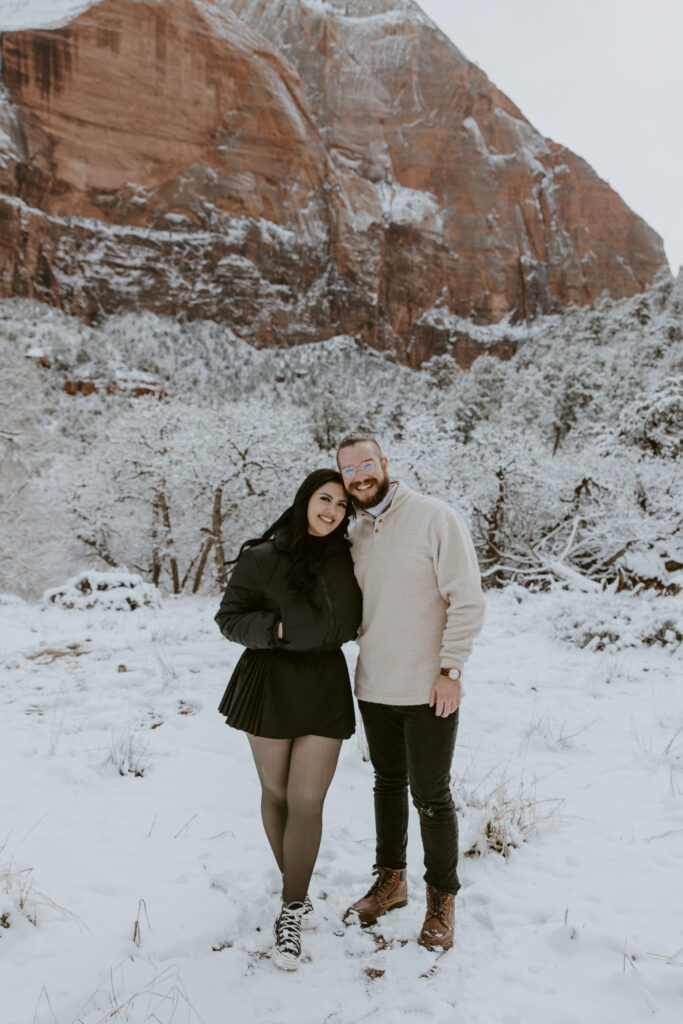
365	467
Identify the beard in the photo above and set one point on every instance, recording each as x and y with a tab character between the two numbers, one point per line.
379	495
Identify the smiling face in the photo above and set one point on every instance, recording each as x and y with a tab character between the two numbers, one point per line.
364	471
326	509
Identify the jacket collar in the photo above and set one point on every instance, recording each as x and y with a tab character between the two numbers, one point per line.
335	544
401	494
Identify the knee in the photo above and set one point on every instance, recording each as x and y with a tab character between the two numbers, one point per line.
307	803
433	803
274	796
390	783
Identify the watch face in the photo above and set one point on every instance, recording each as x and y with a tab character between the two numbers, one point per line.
454	674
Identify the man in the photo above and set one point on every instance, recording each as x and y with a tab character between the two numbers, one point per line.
422	607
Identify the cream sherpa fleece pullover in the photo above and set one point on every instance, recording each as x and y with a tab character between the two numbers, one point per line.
422	599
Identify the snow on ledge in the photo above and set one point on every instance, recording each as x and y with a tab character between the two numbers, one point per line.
392	11
439	315
18	15
402	205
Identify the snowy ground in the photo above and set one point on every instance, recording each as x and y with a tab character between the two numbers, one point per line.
154	893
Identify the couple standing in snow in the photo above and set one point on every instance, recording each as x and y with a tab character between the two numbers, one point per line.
407	586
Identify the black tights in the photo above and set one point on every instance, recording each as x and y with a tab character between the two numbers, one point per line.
295	776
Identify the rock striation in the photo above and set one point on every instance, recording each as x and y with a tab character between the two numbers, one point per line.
295	169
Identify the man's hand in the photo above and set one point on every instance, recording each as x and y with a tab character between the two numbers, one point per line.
279	631
445	696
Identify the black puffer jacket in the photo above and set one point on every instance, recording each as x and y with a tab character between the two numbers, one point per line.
258	597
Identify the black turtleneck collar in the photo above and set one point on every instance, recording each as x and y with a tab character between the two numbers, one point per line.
316	547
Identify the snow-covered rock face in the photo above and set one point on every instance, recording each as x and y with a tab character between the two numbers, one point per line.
294	168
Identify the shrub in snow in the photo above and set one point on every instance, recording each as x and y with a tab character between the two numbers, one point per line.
511	816
654	566
128	752
603	622
561	458
115	590
142	993
655	422
20	898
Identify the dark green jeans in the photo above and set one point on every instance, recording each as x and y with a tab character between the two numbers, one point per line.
410	746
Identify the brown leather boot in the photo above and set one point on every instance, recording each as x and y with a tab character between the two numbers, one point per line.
437	930
387	892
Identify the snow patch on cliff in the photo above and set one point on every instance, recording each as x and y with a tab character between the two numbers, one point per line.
9	129
486	334
403	205
360	10
529	138
18	15
530	145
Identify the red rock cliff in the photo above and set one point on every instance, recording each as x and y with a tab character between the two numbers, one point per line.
296	170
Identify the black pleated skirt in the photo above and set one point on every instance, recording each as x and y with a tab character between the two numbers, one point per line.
284	694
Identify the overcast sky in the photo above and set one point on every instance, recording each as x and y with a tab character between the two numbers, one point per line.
603	77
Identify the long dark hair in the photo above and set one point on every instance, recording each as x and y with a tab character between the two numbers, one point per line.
292	526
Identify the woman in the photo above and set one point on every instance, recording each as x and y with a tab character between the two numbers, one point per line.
292	601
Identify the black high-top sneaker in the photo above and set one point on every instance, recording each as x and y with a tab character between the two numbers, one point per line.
286	950
309	915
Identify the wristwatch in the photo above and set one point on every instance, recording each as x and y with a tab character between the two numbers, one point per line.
452	673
